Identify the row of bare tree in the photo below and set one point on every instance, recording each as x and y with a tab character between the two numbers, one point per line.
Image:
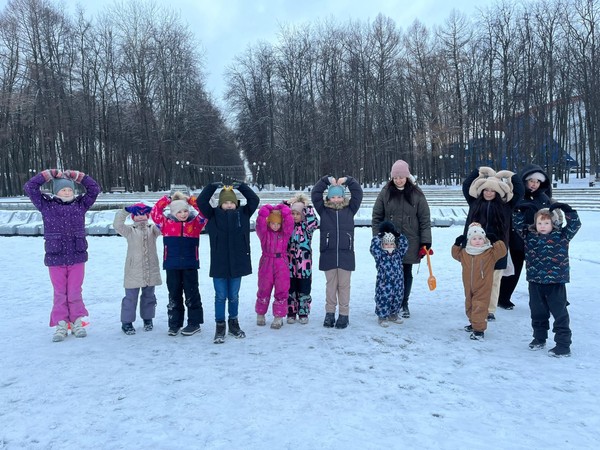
122	96
515	83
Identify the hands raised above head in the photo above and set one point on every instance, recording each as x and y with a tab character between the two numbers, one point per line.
562	206
50	174
75	175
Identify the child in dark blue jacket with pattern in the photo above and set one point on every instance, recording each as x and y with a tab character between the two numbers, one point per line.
547	260
388	247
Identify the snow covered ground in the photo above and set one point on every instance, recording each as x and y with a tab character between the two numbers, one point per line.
421	384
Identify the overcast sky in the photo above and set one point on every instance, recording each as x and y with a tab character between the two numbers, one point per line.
227	27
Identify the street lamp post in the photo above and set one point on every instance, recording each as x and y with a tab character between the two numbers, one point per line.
257	166
183	165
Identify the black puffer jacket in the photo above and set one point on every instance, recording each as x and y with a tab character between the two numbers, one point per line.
229	233
540	198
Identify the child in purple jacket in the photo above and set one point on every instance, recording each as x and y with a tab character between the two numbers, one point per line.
63	215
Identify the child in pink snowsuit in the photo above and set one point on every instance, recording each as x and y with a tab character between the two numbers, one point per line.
274	227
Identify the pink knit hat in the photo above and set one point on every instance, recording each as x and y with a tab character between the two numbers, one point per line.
400	169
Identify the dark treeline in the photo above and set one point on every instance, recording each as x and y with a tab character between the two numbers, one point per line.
122	96
515	83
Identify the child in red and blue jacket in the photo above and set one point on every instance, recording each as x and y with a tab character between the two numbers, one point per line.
181	230
274	227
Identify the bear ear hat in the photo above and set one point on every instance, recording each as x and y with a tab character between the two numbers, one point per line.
485	172
499	182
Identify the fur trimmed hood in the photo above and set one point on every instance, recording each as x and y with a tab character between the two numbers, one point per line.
330	204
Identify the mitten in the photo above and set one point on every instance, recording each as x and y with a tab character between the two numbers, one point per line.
332	181
387	227
138	209
460	240
341	181
236	184
563	206
423	250
49	174
75	175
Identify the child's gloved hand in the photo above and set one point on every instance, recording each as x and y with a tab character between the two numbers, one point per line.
424	249
138	209
332	181
460	240
75	175
49	174
342	181
562	206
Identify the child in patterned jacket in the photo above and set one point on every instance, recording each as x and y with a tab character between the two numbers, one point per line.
388	247
274	227
181	230
300	258
547	261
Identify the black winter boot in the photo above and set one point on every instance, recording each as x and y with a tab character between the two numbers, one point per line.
220	333
127	328
405	310
329	320
342	322
234	329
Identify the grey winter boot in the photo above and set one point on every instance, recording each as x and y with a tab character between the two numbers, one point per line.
61	332
77	329
235	330
220	333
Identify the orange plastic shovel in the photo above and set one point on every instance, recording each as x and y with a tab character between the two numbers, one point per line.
431	282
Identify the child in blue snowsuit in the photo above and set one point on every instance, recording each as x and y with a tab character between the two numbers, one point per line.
388	248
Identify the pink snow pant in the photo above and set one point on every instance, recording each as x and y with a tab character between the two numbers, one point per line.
68	302
273	272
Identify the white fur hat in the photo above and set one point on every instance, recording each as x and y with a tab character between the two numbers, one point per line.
499	182
536	176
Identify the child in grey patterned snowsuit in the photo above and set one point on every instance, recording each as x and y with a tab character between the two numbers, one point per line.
388	248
